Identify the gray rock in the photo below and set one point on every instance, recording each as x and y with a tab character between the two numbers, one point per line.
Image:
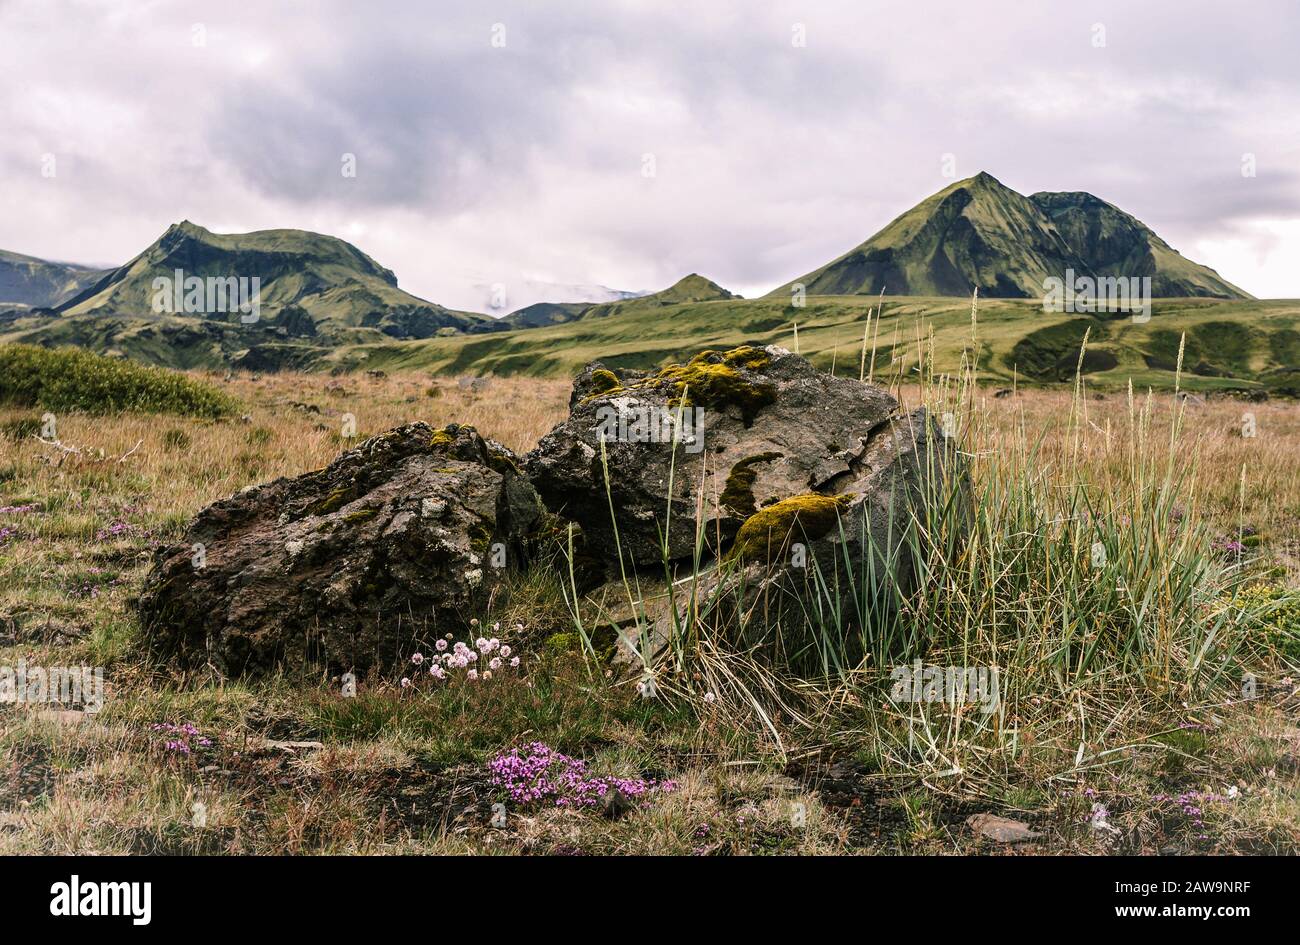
342	567
768	426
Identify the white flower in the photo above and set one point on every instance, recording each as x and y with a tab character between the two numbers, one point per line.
472	674
495	663
405	682
514	661
441	645
710	697
505	651
417	658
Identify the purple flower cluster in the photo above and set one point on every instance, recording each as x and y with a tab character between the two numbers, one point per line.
1192	804
182	739
539	775
16	509
6	534
1230	546
115	530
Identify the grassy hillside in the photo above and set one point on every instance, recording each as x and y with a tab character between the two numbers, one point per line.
1231	344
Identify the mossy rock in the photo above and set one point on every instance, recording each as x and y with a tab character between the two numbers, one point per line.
718	381
711	379
766	534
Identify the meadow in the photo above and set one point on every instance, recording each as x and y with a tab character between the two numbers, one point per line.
1124	725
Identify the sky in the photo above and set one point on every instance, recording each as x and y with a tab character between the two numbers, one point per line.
528	148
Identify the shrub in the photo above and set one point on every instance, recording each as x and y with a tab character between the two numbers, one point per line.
70	379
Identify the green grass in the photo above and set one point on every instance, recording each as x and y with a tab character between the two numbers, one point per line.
1234	345
69	379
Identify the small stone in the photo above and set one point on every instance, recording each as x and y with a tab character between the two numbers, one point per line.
1001	829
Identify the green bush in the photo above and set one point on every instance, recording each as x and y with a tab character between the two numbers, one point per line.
71	379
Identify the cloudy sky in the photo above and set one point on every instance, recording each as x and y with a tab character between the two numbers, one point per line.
626	143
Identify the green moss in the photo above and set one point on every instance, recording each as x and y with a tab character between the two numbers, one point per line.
738	493
603	380
747	357
333	502
500	462
716	380
563	643
361	515
480	539
765	534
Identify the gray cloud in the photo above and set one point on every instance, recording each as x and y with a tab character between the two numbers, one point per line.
479	164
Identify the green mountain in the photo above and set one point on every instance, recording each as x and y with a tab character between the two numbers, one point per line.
335	283
692	288
1114	243
540	314
27	282
980	233
315	293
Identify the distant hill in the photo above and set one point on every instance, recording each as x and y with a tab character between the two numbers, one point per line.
28	282
691	288
980	233
545	313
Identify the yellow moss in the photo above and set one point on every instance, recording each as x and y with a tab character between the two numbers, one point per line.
738	493
716	380
603	380
710	379
748	357
361	515
441	438
765	534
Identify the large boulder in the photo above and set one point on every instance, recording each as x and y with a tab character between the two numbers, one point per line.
342	568
758	426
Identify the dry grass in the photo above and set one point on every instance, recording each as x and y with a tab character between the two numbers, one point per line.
414	781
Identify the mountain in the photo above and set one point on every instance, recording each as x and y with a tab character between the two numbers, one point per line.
980	233
28	282
332	281
1114	243
540	314
692	288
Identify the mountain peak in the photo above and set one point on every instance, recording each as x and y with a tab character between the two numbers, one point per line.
979	233
692	288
